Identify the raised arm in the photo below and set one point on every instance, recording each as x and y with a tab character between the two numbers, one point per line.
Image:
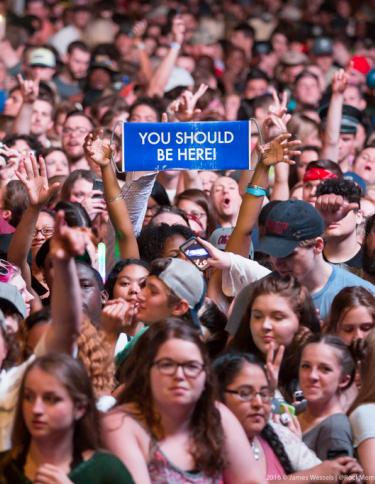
66	304
98	150
279	149
162	73
29	91
34	178
145	67
331	137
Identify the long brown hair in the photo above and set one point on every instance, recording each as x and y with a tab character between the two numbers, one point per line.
366	393
349	298
301	303
206	429
74	378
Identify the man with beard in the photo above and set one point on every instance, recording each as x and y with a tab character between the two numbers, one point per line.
76	127
75	70
368	260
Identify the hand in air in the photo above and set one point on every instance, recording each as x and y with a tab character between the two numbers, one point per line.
279	149
97	148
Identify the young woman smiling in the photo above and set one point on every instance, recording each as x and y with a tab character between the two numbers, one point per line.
326	369
279	316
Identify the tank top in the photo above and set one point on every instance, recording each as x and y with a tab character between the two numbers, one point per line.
162	471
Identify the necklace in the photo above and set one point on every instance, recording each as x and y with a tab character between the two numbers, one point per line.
256	450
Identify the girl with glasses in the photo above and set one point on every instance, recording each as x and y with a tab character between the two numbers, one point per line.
246	390
167	426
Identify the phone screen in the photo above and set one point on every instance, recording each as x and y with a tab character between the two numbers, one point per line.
196	253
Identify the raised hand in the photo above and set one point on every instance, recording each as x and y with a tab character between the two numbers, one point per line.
178	30
97	148
334	207
139	29
277	118
340	82
279	149
34	178
29	89
67	242
184	106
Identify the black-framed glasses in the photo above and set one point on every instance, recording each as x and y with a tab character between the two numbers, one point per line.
45	231
247	393
191	369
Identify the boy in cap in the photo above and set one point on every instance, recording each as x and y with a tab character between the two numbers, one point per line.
294	241
174	287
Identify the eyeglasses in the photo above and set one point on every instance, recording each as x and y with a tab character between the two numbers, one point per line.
195	215
70	131
45	231
248	393
191	369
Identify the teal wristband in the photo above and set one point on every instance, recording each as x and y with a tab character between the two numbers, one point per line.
256	191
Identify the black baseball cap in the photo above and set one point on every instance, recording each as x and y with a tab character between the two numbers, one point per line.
288	224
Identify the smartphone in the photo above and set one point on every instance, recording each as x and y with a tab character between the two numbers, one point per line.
334	453
98	185
195	252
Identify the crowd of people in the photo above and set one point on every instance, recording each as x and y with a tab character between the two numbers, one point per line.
187	326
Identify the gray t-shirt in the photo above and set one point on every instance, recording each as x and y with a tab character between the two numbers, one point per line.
331	438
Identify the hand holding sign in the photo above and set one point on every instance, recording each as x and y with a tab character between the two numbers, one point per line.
184	106
279	149
97	148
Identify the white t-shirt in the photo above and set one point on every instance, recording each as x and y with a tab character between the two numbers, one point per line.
362	421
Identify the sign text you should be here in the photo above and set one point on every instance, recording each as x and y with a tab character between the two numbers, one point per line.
207	145
184	138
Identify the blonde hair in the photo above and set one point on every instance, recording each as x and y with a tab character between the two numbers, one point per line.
96	355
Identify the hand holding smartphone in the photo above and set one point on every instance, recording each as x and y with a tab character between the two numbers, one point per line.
195	252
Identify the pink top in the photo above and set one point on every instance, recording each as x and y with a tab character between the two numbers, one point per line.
274	467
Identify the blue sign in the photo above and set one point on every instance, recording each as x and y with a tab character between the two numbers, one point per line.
186	146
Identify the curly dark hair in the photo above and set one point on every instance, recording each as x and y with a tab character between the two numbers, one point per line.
152	239
226	369
301	303
154	103
206	429
113	275
349	190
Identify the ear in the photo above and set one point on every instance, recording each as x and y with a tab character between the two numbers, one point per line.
344	382
319	245
79	411
7	214
181	308
359	217
104	296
